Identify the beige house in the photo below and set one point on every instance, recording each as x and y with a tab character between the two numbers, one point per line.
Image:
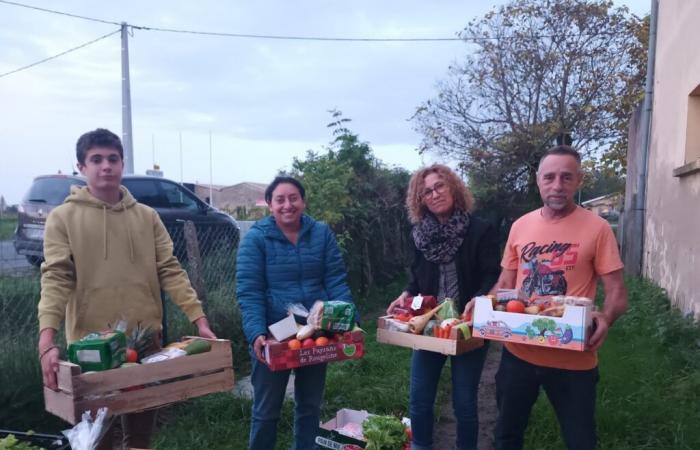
605	205
671	244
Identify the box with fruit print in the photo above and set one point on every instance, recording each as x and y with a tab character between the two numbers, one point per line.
562	322
294	353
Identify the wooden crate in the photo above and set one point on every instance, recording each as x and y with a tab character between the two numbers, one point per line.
456	345
142	387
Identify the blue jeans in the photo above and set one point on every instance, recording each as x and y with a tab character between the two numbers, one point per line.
425	375
268	395
572	393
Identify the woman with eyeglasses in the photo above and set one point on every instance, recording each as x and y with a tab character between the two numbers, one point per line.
456	256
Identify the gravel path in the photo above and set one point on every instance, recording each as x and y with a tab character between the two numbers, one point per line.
445	430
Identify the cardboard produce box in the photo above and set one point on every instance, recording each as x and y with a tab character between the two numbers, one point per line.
140	387
278	355
331	434
571	331
455	345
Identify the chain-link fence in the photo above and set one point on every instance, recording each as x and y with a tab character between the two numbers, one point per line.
206	251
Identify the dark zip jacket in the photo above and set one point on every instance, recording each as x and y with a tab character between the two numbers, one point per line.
478	265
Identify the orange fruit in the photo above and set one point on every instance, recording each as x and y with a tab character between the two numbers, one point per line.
322	341
294	344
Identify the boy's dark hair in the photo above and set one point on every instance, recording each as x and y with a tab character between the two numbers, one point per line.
280	180
561	150
100	137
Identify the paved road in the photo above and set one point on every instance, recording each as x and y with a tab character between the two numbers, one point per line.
10	262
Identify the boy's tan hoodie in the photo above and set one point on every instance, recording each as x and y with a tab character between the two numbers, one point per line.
104	263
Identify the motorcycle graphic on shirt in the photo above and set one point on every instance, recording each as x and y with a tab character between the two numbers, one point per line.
541	279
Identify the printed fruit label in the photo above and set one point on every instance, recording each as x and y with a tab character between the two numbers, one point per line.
349	349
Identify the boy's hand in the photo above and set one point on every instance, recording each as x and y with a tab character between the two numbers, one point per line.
49	367
203	328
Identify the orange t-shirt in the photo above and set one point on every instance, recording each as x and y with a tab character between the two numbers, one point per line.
560	257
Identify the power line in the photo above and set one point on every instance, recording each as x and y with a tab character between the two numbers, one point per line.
92	19
59	54
300	38
234	35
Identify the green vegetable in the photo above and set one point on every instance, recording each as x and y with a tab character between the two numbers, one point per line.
11	442
384	433
197	346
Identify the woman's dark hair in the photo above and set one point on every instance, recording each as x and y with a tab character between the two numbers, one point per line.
281	180
97	138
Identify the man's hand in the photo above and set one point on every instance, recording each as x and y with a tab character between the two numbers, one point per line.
614	306
399	301
203	328
258	345
49	367
600	331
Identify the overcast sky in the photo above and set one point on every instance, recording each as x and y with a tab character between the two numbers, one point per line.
264	101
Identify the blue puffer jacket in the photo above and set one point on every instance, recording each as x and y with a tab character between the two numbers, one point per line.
271	272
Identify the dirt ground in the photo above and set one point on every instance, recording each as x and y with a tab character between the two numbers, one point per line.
445	430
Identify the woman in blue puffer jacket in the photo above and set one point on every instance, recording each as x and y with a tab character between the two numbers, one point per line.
285	258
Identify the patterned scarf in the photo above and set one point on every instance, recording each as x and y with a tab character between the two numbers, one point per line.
439	242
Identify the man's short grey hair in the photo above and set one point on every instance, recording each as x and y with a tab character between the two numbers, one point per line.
561	150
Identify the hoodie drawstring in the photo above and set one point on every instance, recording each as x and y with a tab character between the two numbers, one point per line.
104	230
128	233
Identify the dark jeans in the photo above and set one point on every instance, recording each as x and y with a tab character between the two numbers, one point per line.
425	375
572	393
268	395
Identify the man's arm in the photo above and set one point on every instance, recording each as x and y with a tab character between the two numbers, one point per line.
614	305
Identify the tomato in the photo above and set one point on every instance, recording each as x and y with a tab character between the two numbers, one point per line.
131	355
322	341
308	343
294	344
515	306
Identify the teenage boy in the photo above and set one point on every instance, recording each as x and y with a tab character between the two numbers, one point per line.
107	257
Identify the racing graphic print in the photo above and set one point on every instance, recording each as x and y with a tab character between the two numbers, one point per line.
547	276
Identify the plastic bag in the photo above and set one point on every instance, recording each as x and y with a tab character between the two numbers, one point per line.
449	311
86	434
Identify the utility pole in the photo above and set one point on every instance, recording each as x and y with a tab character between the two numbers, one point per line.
211	173
127	139
181	178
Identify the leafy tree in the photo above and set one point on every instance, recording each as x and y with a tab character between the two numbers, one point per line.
540	70
362	201
543	325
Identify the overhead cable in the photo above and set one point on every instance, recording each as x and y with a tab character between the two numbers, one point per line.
60	54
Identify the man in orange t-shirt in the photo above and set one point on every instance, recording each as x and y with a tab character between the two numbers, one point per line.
559	249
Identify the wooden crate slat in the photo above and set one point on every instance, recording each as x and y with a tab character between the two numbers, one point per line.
64	377
156	396
115	379
60	404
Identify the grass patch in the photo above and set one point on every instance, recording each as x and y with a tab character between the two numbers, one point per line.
649	381
7	227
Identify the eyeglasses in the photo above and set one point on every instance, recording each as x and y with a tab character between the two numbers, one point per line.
438	187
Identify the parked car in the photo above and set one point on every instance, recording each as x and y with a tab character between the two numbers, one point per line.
173	202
